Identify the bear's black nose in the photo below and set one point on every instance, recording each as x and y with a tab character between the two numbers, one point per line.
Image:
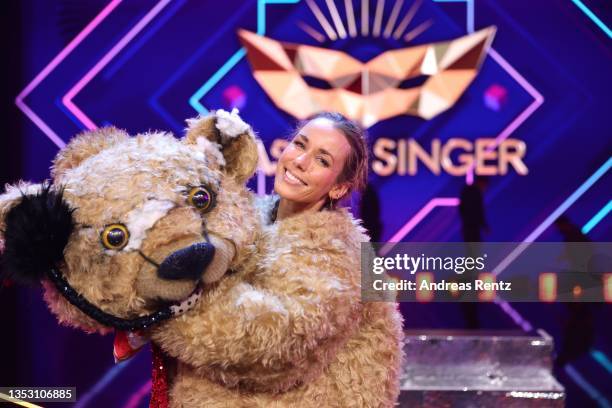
187	263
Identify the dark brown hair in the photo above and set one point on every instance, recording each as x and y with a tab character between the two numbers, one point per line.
355	171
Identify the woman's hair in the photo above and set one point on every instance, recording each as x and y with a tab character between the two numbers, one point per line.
355	171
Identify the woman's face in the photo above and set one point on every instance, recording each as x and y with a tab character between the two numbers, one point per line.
310	165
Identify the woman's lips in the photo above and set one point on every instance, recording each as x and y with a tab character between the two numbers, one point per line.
291	178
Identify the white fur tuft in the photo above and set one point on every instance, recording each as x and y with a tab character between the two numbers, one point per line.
230	124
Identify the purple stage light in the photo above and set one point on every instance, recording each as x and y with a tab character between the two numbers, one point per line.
495	97
234	97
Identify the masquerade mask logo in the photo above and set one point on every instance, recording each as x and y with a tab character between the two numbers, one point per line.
422	80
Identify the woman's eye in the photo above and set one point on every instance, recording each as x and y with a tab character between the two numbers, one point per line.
299	144
115	236
323	162
201	198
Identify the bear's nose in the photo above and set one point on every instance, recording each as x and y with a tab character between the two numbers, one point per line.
187	263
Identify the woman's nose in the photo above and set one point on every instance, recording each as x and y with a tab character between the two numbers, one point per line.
301	161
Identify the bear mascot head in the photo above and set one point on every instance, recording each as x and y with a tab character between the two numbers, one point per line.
130	229
152	233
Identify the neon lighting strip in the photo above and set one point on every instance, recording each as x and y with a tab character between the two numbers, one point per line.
417	218
597	218
469	23
102	383
212	81
522	117
194	100
553	216
514	315
67	100
153	101
538	98
137	397
261	183
134	48
19	100
593	17
586	386
602	359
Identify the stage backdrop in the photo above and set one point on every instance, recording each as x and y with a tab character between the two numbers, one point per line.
515	90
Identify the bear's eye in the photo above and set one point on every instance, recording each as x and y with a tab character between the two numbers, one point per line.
201	198
115	236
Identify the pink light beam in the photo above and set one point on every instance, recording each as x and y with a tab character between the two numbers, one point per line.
417	218
140	394
67	100
20	99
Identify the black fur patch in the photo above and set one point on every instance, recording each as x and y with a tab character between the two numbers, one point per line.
37	231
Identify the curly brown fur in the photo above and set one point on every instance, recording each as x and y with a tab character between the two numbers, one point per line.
293	332
85	145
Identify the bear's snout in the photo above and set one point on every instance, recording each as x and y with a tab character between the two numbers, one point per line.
187	263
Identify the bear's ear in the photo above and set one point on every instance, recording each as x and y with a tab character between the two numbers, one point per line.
35	225
235	138
85	145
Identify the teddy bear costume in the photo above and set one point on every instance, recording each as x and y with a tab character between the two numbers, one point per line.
253	313
308	339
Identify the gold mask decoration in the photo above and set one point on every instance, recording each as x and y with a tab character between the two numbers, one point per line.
384	87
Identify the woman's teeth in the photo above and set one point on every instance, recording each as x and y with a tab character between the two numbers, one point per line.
292	179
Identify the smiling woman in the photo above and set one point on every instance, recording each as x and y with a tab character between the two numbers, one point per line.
311	251
325	161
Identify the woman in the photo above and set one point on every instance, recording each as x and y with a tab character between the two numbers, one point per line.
345	350
324	162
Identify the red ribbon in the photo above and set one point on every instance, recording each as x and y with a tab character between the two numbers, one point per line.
159	388
126	345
